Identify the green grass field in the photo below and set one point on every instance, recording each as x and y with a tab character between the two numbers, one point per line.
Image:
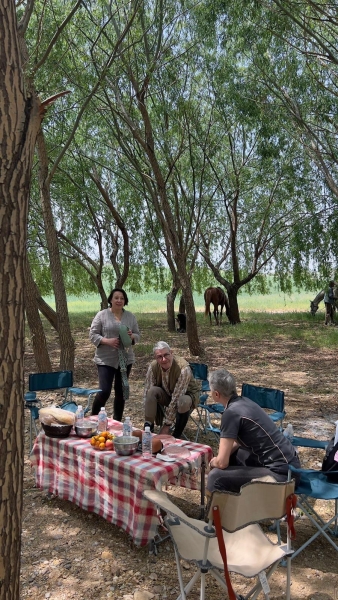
275	315
152	302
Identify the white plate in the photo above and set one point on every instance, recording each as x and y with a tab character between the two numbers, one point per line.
165	458
176	452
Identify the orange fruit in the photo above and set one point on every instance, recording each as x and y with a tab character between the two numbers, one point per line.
101	439
92	441
102	446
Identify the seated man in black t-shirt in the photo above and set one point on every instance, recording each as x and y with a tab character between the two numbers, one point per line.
250	445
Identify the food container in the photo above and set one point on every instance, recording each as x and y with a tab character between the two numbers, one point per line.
87	429
126	445
57	431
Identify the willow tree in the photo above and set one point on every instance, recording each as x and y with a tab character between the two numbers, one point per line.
51	34
20	121
289	48
141	100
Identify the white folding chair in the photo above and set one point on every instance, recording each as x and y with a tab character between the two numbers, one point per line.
232	541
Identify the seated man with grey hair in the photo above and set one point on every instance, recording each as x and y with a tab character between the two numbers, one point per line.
170	383
251	446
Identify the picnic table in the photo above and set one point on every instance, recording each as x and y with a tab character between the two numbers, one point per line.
112	486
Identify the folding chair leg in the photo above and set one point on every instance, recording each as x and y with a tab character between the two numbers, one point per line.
321	531
89	403
288	578
32	426
257	588
182	595
219	579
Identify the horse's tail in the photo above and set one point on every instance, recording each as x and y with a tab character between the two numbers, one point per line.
207	302
227	305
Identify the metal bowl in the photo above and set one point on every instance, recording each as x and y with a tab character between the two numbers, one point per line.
86	430
126	445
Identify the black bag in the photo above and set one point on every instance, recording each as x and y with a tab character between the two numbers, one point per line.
329	463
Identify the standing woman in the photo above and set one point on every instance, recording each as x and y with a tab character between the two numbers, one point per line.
113	359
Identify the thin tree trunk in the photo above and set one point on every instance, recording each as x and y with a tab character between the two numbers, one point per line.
171	308
67	348
192	331
45	309
38	337
19	123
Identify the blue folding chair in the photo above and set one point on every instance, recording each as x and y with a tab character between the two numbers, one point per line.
205	411
315	485
268	398
56	380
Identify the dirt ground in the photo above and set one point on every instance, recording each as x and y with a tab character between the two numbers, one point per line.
68	553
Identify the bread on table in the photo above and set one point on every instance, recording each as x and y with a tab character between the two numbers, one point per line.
56	416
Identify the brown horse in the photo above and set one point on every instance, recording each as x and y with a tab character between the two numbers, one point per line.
217	297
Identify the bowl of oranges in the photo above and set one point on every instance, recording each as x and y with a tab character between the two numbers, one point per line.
103	441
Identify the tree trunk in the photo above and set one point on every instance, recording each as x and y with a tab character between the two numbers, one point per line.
171	297
19	123
181	307
67	348
192	331
45	309
38	337
234	317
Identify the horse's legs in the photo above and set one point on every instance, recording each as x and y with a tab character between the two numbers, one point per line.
216	313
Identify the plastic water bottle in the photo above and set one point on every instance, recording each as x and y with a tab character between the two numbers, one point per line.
79	416
127	427
146	443
288	432
102	420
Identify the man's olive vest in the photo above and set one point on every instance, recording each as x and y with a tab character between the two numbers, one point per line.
178	364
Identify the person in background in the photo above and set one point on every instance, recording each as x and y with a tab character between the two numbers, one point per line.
169	383
114	362
329	300
251	446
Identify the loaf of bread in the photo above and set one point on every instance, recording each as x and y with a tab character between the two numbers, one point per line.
56	416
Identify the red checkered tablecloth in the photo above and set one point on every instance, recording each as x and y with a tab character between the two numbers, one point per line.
110	485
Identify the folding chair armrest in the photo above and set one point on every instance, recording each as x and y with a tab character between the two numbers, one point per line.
309	443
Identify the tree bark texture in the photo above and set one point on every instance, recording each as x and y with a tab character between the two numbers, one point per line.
171	309
181	308
195	346
67	348
234	317
38	337
19	123
45	309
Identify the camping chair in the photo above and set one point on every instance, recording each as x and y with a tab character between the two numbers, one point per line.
38	382
232	541
315	485
268	398
205	411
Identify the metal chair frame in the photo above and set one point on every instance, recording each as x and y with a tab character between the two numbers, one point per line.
203	409
55	380
241	547
314	484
